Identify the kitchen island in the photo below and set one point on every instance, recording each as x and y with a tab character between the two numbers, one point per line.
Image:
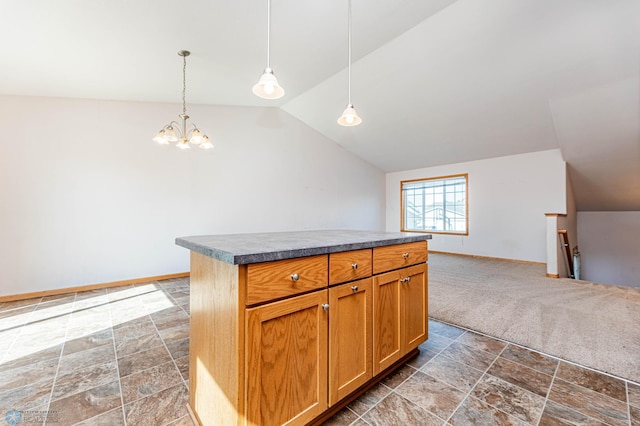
287	328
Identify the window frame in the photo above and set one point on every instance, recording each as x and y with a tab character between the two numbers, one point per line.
466	207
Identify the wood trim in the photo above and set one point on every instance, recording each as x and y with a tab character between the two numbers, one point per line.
553	276
555	215
13	297
529	262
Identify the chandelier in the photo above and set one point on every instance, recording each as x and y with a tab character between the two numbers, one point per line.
177	132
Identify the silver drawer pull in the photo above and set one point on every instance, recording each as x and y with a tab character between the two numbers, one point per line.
354	288
406	255
295	277
354	265
325	306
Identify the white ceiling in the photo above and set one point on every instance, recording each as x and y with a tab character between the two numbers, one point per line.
435	81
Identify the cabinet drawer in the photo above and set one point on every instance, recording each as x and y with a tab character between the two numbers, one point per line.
398	256
274	280
349	266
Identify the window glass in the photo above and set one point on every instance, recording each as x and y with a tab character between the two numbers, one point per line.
437	205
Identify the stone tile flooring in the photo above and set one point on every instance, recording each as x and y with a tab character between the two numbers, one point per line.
119	356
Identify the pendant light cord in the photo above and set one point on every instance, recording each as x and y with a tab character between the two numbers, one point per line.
349	26
268	32
184	85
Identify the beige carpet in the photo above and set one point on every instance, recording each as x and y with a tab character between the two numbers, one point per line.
595	325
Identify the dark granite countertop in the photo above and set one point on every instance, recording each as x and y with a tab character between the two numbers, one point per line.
239	249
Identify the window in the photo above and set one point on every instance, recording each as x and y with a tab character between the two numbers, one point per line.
437	205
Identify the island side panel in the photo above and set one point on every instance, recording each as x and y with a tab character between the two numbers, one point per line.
216	352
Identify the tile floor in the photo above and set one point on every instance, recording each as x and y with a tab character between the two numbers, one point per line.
119	356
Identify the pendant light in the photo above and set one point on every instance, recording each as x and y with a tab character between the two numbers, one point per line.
349	116
177	132
268	87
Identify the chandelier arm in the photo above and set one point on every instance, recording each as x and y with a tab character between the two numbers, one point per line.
176	126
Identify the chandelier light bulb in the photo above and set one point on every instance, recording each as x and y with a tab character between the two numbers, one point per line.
183	144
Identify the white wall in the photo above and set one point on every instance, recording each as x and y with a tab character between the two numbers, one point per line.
609	244
508	199
87	197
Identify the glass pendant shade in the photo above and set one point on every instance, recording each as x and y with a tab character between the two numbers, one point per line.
161	138
183	144
349	117
170	134
196	137
268	87
206	143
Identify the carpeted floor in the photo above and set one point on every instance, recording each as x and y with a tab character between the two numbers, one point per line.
595	325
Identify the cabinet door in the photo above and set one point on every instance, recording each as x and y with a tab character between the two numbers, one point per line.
350	337
386	320
414	298
286	361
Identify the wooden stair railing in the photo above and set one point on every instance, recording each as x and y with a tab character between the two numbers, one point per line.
567	250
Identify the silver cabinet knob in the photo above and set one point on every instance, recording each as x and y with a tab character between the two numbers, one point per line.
354	288
354	265
408	279
406	255
295	277
325	306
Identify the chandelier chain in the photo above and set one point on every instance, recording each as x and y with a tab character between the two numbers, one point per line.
184	85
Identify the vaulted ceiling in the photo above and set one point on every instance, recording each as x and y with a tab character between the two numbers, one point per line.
436	82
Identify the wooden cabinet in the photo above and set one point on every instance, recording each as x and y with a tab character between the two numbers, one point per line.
386	330
398	256
288	341
400	314
413	306
275	280
350	337
349	265
287	360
